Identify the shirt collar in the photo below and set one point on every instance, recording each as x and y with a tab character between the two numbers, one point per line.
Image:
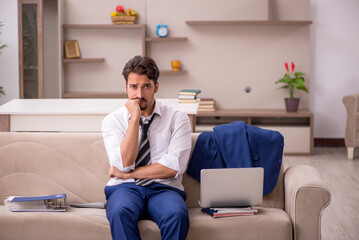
157	108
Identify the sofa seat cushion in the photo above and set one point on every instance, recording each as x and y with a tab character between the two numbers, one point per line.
268	223
76	223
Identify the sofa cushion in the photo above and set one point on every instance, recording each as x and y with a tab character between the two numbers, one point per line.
76	223
268	223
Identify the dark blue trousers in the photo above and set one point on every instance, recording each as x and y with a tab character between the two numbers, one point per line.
127	203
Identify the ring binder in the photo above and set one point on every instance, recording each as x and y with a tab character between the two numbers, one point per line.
46	203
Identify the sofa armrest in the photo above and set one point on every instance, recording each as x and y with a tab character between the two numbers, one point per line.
305	198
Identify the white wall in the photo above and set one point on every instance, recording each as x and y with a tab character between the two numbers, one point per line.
334	63
9	63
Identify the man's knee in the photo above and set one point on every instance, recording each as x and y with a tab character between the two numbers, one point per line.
178	214
175	225
123	212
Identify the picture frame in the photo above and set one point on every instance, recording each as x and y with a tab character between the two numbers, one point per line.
72	49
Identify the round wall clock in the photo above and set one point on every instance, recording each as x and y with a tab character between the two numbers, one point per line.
162	30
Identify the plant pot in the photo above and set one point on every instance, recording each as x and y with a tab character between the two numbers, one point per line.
291	104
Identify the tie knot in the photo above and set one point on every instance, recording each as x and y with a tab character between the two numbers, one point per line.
145	126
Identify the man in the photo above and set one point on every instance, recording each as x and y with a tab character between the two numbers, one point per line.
148	145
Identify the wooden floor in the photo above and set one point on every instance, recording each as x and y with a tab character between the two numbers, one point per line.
340	220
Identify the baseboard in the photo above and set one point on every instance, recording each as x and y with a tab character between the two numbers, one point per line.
329	142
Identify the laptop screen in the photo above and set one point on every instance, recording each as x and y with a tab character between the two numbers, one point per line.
231	187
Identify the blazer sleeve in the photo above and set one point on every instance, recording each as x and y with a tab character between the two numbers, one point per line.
204	153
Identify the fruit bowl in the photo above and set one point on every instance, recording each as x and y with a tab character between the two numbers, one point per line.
123	19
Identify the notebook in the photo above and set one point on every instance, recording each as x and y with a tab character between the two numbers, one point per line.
231	187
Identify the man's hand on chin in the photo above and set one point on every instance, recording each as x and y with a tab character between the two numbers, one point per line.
133	106
114	172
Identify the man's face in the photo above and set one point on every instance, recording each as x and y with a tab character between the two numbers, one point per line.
140	87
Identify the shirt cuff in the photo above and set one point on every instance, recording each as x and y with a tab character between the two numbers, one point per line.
117	162
170	162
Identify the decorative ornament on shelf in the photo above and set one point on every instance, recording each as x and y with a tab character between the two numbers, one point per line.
72	49
292	81
162	30
122	16
176	65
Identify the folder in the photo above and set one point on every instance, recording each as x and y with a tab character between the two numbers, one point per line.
45	203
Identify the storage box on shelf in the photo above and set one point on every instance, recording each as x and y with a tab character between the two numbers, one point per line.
123	19
296	127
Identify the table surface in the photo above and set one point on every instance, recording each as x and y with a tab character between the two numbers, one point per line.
80	106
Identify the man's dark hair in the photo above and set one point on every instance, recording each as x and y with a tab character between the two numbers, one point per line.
142	65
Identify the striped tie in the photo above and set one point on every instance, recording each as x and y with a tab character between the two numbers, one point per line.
144	154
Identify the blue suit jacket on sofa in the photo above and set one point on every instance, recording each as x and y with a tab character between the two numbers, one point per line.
239	145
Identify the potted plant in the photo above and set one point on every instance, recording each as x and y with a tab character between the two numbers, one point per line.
292	81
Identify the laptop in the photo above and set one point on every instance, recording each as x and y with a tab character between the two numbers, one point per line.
231	187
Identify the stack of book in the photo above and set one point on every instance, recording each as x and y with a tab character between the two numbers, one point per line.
206	105
229	212
188	95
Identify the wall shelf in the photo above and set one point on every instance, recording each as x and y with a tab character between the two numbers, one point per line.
104	26
166	39
240	22
83	60
170	72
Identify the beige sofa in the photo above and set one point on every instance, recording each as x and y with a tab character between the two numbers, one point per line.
351	103
76	164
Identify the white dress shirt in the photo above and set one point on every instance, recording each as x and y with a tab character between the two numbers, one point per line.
169	135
